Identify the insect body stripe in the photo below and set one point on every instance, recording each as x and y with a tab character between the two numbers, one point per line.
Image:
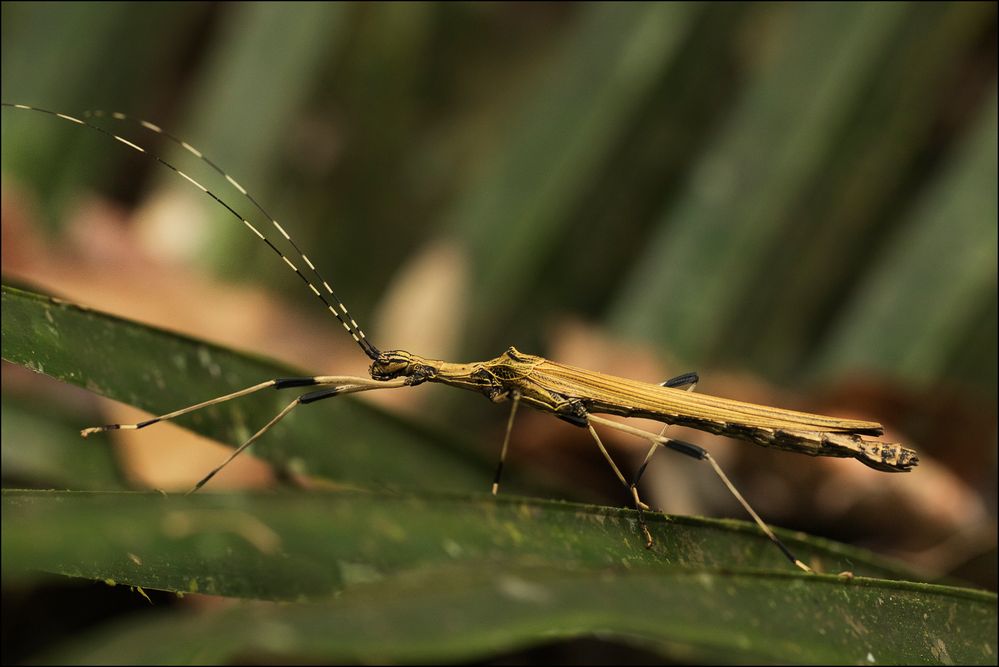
351	328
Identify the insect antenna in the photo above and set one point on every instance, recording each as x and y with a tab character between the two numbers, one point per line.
331	303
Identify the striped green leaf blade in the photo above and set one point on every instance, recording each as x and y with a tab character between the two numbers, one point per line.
159	371
430	579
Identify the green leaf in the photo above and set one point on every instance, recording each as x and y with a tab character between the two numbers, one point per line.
737	207
685	616
432	578
40	447
158	371
248	135
449	578
309	546
518	212
922	297
847	206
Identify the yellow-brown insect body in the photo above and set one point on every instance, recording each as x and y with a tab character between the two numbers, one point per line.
571	393
802	432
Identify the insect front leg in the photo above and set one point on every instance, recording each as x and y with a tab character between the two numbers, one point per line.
276	383
515	400
574	412
336	385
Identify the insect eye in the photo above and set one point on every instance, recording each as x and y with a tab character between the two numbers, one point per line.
390	365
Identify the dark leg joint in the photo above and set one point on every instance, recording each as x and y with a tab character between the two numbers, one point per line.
314	396
639	473
499	473
287	383
574	413
575	420
681	380
688	449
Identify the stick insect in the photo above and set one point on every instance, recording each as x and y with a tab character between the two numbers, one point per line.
575	395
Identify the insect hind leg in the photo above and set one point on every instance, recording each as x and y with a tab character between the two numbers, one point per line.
686	380
702	454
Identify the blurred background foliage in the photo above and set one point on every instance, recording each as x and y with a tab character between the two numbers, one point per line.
796	191
797	200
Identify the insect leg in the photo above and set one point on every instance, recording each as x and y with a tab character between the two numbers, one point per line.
688	380
277	383
617	471
311	397
506	441
699	453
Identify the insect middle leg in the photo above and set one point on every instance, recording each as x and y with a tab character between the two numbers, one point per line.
579	420
639	505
